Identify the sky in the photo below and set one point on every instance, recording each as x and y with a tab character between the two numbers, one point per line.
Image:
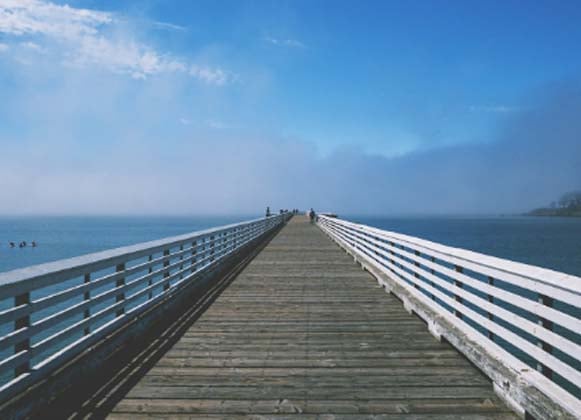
360	107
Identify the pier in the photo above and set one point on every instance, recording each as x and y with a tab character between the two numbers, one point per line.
281	318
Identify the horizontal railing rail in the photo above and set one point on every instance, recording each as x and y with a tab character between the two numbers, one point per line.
52	312
527	316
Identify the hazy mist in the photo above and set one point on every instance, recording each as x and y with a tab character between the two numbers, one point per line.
533	158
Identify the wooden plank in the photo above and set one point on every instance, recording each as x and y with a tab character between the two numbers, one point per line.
317	372
298	381
464	407
304	331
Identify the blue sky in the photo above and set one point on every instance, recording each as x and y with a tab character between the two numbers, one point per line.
102	98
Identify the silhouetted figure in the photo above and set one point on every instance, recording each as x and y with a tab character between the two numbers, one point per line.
12	244
33	244
22	244
312	215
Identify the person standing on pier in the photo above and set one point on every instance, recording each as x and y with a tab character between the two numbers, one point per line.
312	215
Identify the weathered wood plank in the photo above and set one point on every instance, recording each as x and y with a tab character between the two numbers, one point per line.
298	381
318	372
463	407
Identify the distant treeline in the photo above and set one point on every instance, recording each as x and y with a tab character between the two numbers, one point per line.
568	205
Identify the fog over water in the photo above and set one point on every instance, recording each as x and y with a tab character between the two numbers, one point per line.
533	158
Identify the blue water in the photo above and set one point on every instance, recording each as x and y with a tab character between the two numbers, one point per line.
550	242
547	242
65	237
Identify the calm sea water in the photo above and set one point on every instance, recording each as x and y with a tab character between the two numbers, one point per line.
65	237
550	242
547	242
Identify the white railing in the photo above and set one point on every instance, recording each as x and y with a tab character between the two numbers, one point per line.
52	312
522	315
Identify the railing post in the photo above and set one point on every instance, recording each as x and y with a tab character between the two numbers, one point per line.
377	252
433	259
150	281
456	297
545	323
87	297
218	248
23	322
181	259
401	256
166	272
212	248
491	300
417	264
119	283
194	252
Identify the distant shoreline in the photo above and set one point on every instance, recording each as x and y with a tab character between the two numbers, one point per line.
554	212
569	205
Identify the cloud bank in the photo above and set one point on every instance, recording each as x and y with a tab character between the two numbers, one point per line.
535	157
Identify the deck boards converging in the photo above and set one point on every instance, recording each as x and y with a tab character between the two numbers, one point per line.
304	331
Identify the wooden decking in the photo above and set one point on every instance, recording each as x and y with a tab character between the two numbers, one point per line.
303	331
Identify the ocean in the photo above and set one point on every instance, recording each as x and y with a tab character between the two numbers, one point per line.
548	242
59	237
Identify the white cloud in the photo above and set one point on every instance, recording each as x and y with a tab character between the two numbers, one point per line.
212	123
215	124
32	46
215	76
500	109
169	26
85	38
21	17
122	56
291	43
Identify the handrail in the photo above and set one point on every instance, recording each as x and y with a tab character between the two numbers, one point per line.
530	316
59	309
